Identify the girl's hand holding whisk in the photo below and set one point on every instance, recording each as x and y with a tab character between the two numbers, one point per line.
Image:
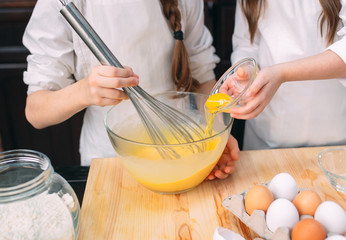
227	162
46	108
103	82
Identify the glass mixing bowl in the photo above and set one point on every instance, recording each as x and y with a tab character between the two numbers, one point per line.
333	163
143	159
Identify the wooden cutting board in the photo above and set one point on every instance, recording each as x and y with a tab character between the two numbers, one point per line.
115	206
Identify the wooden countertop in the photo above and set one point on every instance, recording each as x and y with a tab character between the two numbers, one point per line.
115	206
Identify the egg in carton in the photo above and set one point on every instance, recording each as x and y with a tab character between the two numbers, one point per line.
285	191
256	221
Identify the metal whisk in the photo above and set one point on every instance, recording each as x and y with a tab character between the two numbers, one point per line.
161	118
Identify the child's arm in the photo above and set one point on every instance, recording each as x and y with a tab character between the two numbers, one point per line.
45	108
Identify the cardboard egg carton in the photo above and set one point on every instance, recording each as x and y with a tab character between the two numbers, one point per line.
256	221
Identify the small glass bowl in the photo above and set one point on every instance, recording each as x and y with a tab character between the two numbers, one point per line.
238	86
333	163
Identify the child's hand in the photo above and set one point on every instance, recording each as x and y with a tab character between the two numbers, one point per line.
237	82
101	86
227	162
261	91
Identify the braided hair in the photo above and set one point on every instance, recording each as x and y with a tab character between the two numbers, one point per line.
181	73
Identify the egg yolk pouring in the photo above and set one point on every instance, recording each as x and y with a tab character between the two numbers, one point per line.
217	102
214	104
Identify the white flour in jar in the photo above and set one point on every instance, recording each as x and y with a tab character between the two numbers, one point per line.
44	216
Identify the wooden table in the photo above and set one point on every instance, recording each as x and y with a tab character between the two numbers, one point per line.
115	206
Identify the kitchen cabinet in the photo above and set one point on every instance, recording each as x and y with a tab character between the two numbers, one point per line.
61	142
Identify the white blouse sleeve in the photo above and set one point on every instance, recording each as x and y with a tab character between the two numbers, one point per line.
339	46
49	40
242	46
198	42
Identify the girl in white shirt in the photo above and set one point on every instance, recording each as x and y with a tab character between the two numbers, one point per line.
165	43
298	97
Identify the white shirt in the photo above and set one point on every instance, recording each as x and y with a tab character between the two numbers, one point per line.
304	113
136	32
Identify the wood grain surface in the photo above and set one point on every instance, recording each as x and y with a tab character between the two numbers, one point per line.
115	206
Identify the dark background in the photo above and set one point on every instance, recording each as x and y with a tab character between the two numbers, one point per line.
61	142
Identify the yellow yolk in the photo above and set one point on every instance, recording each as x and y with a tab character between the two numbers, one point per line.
214	103
217	101
196	161
183	184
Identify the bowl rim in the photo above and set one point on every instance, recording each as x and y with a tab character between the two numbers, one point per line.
229	72
228	126
319	156
32	186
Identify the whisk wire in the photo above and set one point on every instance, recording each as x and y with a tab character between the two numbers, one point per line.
169	116
63	2
155	135
188	128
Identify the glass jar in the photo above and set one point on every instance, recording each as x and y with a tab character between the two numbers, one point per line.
35	202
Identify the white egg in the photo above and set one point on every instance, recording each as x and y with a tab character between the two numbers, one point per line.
281	213
283	185
332	216
336	237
